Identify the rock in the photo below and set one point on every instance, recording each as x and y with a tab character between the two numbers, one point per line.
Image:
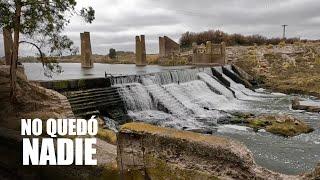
110	124
34	101
296	104
146	151
284	125
244	115
201	130
315	174
262	130
12	168
107	135
313	109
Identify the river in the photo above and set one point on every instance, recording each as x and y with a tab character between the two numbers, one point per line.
194	99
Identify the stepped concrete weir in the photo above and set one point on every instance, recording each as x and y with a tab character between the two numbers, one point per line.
174	92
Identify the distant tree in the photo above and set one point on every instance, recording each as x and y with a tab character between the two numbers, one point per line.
41	22
112	53
217	36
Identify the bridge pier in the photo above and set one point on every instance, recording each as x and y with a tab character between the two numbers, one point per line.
141	57
86	52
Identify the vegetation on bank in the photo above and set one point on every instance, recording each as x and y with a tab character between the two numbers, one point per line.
33	102
107	135
217	36
288	69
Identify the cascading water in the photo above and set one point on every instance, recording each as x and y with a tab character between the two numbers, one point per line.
215	84
136	97
191	94
241	91
169	92
180	92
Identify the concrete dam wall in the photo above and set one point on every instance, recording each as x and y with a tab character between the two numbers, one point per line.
168	94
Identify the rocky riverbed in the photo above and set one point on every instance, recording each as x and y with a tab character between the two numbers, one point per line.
283	125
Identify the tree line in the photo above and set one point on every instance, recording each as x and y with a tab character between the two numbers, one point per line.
217	36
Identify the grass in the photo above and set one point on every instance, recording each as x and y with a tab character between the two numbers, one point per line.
286	126
288	129
293	73
107	135
191	136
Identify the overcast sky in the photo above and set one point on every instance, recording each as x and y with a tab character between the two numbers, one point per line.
119	21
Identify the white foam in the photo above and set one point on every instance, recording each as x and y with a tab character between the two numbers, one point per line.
232	128
310	102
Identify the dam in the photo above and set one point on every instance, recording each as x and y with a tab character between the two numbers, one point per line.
200	100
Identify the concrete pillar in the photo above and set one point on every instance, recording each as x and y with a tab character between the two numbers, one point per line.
223	52
209	52
194	52
194	47
8	43
141	57
86	52
162	48
138	50
209	47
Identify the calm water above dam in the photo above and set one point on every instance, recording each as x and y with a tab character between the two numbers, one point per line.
35	71
194	99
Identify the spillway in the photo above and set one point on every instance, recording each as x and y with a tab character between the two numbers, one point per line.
193	98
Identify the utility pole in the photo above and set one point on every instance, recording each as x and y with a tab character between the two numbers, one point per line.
284	31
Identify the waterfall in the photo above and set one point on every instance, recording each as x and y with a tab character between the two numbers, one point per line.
125	79
202	95
215	84
240	90
180	93
184	99
136	97
163	98
166	77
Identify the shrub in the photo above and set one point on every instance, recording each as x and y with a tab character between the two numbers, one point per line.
282	43
112	53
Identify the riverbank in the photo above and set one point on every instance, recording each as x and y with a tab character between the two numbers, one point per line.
34	101
291	69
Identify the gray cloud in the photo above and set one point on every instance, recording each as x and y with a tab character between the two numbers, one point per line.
119	21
